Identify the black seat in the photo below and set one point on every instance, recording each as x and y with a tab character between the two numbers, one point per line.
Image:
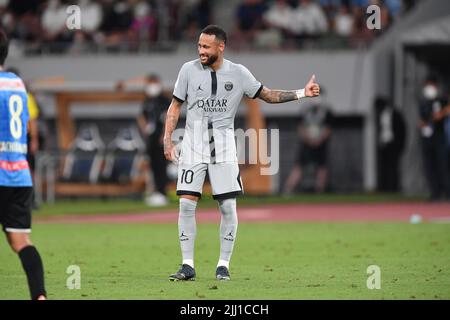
84	160
123	156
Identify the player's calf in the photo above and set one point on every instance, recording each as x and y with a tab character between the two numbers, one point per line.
31	263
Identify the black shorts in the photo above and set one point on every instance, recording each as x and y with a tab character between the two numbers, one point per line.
15	208
317	155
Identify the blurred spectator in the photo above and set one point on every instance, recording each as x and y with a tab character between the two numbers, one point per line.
361	34
54	19
314	132
21	20
279	15
194	15
249	16
118	19
56	35
344	22
91	19
391	133
7	21
331	7
151	123
277	22
434	145
309	19
145	25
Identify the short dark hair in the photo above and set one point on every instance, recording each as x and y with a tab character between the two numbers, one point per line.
213	29
153	77
4	44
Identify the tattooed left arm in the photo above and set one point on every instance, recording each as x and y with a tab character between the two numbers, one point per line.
312	89
277	96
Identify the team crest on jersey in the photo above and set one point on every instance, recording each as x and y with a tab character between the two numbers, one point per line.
228	86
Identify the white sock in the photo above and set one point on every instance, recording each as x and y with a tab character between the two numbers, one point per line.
228	229
223	263
187	229
189	262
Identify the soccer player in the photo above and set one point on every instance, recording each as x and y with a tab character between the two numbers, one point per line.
212	88
16	191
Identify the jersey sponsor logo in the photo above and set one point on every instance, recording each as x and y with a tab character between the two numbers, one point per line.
212	105
228	85
11	85
6	146
14	165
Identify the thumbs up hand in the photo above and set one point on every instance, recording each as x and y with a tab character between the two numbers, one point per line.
312	89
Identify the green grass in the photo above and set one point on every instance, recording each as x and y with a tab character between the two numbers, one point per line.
271	261
112	206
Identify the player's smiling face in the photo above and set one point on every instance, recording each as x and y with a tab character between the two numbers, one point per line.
209	49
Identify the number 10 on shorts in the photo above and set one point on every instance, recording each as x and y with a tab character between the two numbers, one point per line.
187	176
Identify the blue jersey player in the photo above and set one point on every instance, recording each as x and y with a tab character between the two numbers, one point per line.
16	189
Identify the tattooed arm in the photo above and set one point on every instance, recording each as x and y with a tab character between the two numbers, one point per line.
312	89
277	96
173	113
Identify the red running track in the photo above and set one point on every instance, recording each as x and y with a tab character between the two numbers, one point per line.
439	212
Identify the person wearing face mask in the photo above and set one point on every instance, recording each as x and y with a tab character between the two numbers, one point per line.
432	114
151	124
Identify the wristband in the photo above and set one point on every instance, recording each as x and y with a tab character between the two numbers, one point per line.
300	93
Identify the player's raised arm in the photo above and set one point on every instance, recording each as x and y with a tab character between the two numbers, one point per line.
173	113
312	89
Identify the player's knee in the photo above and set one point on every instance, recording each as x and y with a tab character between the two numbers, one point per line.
18	242
190	197
227	206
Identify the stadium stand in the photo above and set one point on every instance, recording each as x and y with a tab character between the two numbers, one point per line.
38	27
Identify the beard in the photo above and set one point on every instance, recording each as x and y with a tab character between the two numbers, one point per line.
210	61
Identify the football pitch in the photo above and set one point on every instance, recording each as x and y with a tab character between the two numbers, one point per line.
272	260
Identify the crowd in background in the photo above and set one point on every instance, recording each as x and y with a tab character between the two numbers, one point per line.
123	25
313	23
38	26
